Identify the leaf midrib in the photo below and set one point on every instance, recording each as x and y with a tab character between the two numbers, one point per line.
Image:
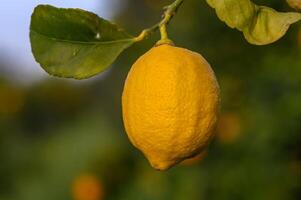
81	42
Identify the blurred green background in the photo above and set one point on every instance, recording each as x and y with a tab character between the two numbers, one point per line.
64	139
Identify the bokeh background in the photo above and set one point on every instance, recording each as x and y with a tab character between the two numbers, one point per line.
64	139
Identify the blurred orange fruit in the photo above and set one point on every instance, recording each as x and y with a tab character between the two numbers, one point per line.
87	187
229	127
195	160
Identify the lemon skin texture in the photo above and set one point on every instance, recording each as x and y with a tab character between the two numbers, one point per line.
170	105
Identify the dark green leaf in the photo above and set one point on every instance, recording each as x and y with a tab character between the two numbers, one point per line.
74	43
260	24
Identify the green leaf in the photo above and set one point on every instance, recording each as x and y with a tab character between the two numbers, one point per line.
260	24
74	43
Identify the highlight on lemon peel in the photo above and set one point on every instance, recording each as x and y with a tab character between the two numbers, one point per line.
170	105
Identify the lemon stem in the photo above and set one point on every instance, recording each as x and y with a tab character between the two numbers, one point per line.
169	13
164	35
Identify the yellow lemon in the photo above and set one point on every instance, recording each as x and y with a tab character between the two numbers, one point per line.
170	104
296	4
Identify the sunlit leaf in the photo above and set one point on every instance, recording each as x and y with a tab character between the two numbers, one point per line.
260	24
74	43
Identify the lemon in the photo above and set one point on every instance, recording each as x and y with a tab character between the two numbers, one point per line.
170	104
296	4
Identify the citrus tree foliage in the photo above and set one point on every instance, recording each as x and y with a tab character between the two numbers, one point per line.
260	24
74	43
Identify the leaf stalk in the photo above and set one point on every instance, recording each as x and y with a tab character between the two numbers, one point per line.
169	13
